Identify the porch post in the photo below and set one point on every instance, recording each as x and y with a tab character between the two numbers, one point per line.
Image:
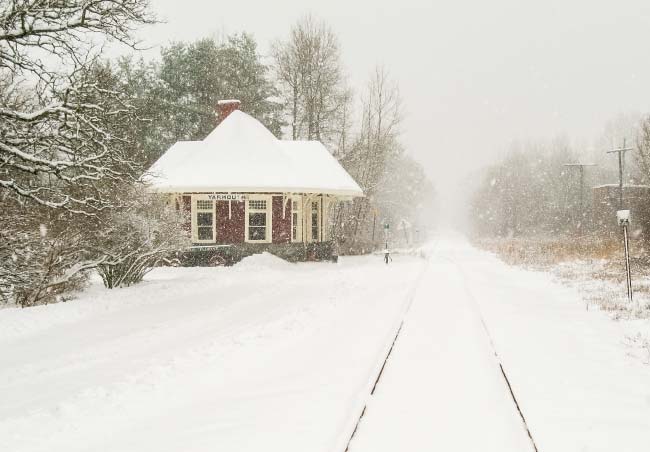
321	219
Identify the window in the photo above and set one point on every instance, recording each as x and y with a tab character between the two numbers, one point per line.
296	220
314	221
204	225
257	226
257	204
294	226
258	220
203	220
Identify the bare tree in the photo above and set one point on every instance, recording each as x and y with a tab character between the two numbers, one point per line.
309	69
643	148
65	160
382	115
529	193
56	147
376	145
343	124
287	70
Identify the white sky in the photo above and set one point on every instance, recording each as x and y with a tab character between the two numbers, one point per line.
474	75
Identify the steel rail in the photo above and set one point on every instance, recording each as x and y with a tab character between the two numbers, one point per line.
486	330
497	357
409	302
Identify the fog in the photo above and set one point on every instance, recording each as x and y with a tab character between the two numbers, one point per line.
474	75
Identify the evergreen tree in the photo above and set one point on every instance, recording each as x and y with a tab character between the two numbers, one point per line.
194	77
178	94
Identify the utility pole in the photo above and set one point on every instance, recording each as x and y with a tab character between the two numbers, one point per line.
581	168
621	163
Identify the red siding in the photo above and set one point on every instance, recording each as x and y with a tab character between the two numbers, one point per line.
187	210
231	230
281	226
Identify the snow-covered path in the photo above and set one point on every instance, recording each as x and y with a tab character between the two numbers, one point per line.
442	389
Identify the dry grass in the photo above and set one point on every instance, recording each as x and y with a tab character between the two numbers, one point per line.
542	252
595	267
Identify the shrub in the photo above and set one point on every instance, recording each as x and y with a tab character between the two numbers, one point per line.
40	261
140	238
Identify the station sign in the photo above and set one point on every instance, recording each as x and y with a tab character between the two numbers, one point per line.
222	196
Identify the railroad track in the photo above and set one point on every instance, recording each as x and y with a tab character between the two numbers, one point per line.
497	357
477	310
405	310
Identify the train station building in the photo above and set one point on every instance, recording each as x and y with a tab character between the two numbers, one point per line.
246	191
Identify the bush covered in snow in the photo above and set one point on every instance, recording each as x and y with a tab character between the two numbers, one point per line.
40	260
146	235
45	255
65	152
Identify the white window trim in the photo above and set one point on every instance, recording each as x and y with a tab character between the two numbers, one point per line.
299	226
317	200
195	228
325	218
269	218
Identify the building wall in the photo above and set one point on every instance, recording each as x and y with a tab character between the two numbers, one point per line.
281	226
230	230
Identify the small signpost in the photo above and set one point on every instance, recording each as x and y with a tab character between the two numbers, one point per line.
623	217
387	257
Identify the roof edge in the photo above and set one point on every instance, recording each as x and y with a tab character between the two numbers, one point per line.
212	189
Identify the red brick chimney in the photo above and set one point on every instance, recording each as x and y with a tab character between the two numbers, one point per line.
226	107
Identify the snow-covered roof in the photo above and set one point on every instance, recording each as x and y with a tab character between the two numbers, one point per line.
241	155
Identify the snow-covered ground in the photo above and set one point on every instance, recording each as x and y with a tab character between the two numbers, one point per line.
441	388
262	356
273	356
576	382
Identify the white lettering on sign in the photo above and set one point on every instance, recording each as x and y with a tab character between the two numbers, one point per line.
222	196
